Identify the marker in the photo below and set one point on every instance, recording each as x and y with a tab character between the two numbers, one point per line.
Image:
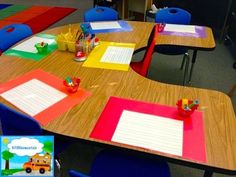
195	102
69	81
186	108
184	102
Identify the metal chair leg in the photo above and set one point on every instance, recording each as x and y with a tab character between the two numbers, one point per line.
182	64
186	56
208	173
192	65
58	164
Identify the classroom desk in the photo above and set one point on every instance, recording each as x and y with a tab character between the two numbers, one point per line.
78	122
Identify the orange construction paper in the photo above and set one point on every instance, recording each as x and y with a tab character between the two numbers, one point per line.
58	108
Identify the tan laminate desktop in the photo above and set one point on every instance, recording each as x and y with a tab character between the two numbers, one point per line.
78	122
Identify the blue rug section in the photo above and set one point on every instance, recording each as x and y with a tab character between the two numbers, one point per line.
2	6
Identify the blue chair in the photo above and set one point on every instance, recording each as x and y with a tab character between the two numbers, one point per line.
174	15
11	34
16	123
100	13
120	164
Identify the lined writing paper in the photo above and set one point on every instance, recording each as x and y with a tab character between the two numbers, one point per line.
118	55
105	25
151	132
180	28
28	45
33	96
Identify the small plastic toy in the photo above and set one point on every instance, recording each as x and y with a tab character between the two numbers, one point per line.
42	47
161	27
96	41
80	56
186	107
72	84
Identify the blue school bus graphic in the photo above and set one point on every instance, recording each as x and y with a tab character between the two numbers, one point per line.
27	156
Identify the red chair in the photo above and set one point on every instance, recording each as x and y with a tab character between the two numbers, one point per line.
142	66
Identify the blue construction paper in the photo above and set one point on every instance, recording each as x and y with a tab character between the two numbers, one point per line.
124	27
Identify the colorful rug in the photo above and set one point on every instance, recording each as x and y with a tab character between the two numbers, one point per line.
37	17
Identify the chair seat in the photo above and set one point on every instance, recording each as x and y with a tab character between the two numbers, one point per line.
109	163
136	66
170	50
142	66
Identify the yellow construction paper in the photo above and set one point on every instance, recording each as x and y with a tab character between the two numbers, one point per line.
93	59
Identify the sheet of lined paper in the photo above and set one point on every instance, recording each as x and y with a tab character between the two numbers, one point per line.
28	45
118	55
180	28
151	132
105	25
33	96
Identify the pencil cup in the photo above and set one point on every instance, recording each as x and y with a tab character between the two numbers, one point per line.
72	85
186	110
71	46
41	47
61	45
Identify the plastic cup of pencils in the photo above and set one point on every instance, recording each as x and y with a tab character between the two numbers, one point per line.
61	43
71	46
186	110
41	47
71	84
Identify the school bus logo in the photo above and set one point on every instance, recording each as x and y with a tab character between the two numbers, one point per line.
38	162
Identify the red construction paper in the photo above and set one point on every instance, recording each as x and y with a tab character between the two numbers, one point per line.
58	108
193	138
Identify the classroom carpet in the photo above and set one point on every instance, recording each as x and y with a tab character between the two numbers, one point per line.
37	17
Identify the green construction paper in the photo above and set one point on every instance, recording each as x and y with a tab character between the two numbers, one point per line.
34	56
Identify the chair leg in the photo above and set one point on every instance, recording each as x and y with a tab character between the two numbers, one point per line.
232	91
186	56
194	57
182	64
58	164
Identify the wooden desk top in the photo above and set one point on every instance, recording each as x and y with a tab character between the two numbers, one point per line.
219	116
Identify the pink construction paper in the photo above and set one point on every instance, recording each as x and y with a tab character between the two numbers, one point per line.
193	138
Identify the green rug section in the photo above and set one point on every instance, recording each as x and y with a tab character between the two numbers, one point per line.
34	56
11	10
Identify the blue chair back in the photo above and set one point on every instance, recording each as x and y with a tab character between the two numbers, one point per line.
16	123
173	15
11	34
100	13
120	164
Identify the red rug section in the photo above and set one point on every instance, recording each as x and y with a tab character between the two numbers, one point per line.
28	14
46	19
38	17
